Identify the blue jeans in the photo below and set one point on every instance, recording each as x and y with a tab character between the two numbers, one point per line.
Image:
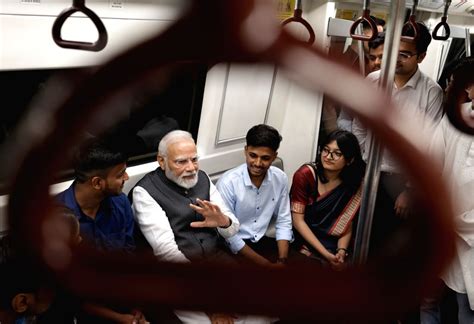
430	306
465	313
430	312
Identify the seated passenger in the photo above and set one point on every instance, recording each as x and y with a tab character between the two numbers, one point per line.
325	198
256	192
104	213
181	213
178	208
23	295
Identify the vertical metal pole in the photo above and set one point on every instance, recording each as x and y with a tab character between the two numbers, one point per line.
298	5
468	42
372	175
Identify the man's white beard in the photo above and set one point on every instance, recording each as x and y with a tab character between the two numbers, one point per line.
180	180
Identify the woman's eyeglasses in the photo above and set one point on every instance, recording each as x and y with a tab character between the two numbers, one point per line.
335	155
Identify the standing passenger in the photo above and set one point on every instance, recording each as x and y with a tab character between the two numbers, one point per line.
325	199
457	155
350	57
257	192
415	94
375	54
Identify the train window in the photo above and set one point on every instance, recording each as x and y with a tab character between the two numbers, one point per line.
457	50
151	114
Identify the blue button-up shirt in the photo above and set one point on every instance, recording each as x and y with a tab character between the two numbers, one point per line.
255	207
112	228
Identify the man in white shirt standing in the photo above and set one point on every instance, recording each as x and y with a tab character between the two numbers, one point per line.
257	192
416	95
456	152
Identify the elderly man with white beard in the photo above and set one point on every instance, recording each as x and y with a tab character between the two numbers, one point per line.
178	208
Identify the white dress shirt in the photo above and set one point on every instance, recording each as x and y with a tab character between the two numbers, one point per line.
457	154
157	230
420	98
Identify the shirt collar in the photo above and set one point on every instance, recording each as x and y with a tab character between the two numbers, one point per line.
71	201
248	182
413	81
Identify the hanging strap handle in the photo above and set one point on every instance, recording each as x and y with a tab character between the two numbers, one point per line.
443	23
411	24
298	18
79	6
373	26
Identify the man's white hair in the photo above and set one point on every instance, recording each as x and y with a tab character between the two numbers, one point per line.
172	137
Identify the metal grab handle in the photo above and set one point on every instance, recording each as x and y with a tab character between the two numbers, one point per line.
411	23
447	30
443	23
373	26
298	18
79	6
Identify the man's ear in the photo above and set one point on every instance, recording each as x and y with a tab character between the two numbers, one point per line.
21	301
161	161
421	57
275	155
97	182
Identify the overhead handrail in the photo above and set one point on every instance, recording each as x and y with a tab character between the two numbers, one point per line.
298	17
80	6
365	17
411	23
443	23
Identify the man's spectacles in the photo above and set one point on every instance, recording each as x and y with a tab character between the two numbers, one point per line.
184	162
335	155
405	56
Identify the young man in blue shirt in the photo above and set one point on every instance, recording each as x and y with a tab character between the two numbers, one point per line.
104	213
256	192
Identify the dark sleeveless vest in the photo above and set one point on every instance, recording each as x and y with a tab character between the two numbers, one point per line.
195	243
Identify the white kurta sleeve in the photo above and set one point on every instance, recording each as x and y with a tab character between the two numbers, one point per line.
465	227
155	227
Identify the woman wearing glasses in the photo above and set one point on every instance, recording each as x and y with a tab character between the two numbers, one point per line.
325	198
